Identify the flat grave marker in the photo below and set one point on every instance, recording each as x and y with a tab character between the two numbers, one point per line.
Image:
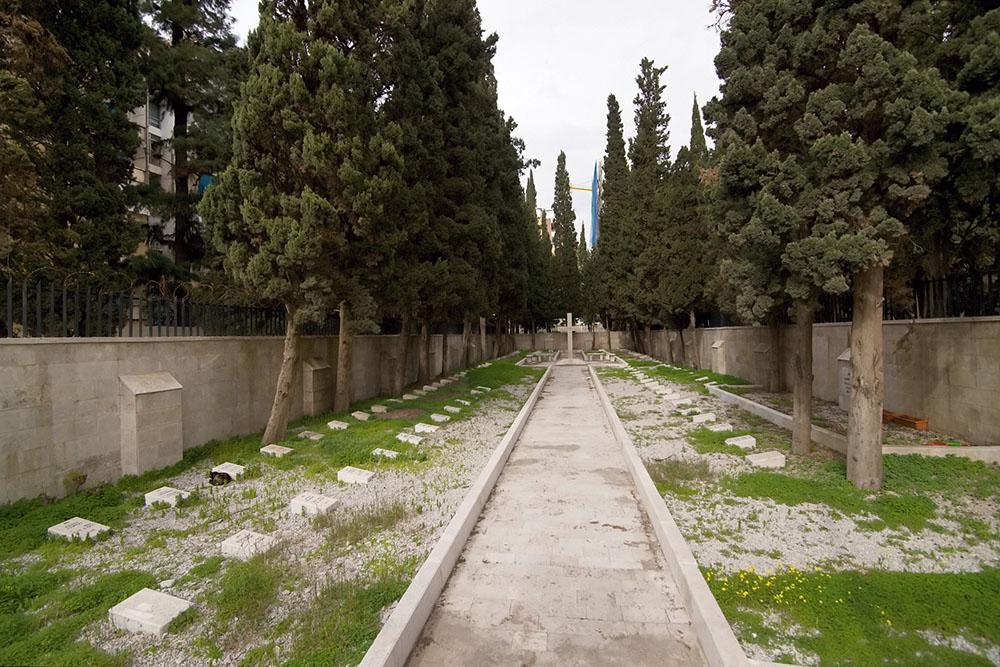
703	418
452	408
421	427
384	453
311	504
701	379
420	392
78	529
743	441
352	475
147	611
311	435
337	425
230	470
463	401
440	418
409	438
767	460
246	543
276	451
690	411
360	416
166	494
720	427
482	388
410	397
429	387
379	409
475	392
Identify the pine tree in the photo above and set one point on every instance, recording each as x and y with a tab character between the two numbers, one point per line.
565	272
299	212
86	166
186	68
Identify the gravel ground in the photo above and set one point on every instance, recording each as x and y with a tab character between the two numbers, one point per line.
169	542
732	533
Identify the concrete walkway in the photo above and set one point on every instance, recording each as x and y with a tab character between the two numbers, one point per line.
563	567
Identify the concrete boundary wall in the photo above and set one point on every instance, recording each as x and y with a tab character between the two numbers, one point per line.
710	625
946	371
396	639
59	398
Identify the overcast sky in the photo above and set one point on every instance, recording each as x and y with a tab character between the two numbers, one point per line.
558	60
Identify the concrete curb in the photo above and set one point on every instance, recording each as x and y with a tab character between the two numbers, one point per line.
838	443
710	625
399	635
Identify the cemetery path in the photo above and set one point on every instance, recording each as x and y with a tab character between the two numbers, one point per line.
563	567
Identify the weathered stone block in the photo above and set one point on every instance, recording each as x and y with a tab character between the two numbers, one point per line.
384	453
276	451
166	494
410	397
310	504
425	428
767	460
360	416
310	435
720	427
452	408
317	386
352	475
703	418
246	544
463	401
149	612
152	428
233	470
743	441
336	425
78	529
379	409
410	438
440	418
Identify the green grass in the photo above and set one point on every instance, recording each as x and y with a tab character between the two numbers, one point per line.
711	442
674	476
343	621
40	618
342	529
686	376
247	590
855	618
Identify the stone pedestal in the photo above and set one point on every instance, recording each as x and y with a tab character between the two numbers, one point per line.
719	356
152	429
844	380
317	386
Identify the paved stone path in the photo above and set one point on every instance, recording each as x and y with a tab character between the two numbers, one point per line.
563	567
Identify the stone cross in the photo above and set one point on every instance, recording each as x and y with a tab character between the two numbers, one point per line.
569	329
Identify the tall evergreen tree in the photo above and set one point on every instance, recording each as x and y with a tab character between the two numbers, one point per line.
616	248
565	271
186	66
299	212
86	166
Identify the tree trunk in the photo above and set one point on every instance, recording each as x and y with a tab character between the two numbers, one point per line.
684	352
482	339
342	394
495	351
466	338
649	340
802	379
424	366
695	351
444	351
183	224
534	344
670	348
277	423
864	421
402	356
636	342
609	338
774	360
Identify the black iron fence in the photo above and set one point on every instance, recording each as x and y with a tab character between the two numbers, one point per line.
44	309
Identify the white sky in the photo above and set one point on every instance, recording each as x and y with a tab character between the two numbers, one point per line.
558	60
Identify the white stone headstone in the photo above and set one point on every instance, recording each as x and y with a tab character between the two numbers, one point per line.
149	612
720	427
166	494
421	427
337	426
233	470
246	543
360	416
352	475
311	435
703	418
844	379
743	441
77	528
690	411
311	504
440	418
463	401
276	451
410	438
379	409
452	408
410	397
384	453
767	460
482	388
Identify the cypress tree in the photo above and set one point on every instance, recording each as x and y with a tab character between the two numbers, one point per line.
186	68
565	271
616	250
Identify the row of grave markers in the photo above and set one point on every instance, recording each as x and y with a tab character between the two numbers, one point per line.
745	442
150	611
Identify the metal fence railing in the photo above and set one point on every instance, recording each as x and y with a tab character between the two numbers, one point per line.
45	309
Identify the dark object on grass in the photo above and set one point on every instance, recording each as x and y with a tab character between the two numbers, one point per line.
219	478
